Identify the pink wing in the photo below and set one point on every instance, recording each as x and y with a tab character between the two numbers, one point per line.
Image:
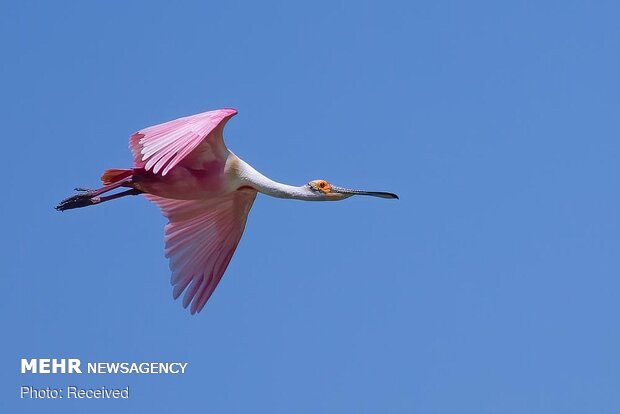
161	147
201	237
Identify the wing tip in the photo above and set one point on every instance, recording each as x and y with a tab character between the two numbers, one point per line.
231	111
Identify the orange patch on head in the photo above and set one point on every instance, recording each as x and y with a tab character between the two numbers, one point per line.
321	185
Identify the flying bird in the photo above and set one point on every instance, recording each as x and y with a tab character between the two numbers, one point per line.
204	190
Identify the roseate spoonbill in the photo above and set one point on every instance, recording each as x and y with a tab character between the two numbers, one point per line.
204	190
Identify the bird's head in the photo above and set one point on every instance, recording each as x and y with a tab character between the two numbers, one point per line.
328	192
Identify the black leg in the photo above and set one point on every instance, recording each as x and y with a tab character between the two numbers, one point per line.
89	198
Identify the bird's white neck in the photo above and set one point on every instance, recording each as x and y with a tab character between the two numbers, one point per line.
250	177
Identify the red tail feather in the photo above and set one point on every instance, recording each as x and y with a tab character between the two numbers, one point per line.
115	174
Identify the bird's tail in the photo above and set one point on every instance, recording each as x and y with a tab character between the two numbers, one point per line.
112	179
114	175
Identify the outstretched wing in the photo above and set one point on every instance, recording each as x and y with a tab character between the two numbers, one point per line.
201	237
195	139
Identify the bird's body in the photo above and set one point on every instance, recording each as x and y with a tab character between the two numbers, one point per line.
204	190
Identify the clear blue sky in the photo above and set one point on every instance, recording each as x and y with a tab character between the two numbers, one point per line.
490	287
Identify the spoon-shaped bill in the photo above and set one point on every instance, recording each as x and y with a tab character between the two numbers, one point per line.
381	194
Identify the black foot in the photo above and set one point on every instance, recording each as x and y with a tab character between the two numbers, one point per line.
77	201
